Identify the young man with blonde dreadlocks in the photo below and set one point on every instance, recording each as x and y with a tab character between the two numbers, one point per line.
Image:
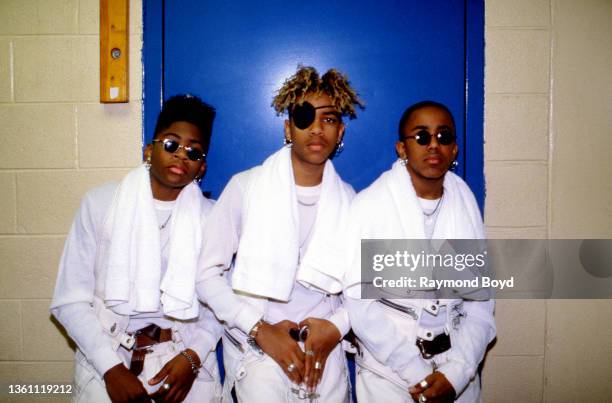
268	268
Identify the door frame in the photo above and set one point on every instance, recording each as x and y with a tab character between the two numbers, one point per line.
473	104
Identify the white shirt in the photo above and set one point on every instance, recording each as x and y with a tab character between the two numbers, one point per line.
391	343
242	311
304	302
435	323
163	210
77	272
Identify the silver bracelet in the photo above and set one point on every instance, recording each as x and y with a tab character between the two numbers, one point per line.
195	368
253	334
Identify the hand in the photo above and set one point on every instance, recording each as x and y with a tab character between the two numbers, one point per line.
178	374
275	341
124	386
439	389
323	336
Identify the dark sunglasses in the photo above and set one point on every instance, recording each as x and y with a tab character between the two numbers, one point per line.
173	146
423	137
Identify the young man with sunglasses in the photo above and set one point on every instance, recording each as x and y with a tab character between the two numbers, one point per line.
279	296
424	348
125	292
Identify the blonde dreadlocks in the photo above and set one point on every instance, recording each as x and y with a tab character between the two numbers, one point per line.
307	81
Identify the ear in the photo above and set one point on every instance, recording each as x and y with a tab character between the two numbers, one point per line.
148	151
400	149
287	130
455	150
202	170
341	133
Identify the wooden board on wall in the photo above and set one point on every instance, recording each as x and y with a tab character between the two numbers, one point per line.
114	51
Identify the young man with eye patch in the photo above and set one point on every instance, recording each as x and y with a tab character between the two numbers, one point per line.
125	291
425	348
270	271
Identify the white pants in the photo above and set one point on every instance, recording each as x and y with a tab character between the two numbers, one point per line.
89	387
257	378
373	388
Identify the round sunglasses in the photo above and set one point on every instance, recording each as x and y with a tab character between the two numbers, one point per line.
423	137
173	146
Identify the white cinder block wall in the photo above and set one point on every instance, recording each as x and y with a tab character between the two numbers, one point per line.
517	138
548	97
547	130
57	142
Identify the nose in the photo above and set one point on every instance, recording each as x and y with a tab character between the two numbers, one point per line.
181	152
315	128
433	144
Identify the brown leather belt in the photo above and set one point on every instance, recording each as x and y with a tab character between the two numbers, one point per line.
145	337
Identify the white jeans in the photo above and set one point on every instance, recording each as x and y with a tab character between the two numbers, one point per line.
257	378
373	388
89	387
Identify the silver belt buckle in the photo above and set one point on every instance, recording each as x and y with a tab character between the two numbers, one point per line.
126	340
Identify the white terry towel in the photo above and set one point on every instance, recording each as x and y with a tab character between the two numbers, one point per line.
267	258
390	209
134	253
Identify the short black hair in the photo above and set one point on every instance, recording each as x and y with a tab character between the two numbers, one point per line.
420	105
187	108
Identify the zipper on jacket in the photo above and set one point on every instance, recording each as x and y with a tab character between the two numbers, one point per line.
405	309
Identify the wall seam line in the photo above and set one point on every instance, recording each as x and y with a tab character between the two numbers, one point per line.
66	170
549	215
75	111
77	14
519	28
22	333
48	35
12	70
25	236
16	229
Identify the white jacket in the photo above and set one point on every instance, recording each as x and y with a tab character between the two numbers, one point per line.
389	209
77	301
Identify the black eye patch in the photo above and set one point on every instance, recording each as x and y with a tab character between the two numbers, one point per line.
303	115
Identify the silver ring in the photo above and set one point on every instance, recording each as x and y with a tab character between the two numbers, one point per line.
318	365
291	367
422	398
166	386
424	384
309	353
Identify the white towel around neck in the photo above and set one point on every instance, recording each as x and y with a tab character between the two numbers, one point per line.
133	262
390	209
267	258
458	216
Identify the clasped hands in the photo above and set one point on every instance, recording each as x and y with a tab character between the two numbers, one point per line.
302	367
124	386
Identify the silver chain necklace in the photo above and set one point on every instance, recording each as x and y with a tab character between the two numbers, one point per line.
436	209
161	227
307	204
309	229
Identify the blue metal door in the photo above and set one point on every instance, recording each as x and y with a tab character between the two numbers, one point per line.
236	54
